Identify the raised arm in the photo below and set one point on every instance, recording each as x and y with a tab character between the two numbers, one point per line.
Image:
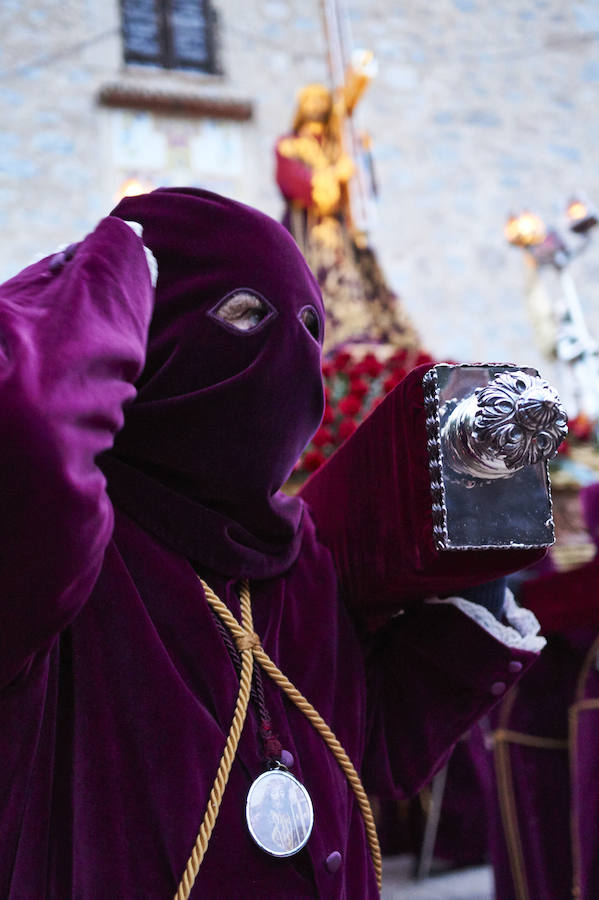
434	666
432	672
72	340
373	509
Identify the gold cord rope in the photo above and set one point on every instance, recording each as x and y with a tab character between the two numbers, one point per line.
222	776
248	643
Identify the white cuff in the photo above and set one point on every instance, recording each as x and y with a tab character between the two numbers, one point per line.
521	631
150	258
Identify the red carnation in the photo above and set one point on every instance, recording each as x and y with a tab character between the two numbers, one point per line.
391	382
358	387
350	405
323	436
371	366
564	448
341	360
397	365
346	428
423	358
399	356
329	415
327	369
313	460
357	369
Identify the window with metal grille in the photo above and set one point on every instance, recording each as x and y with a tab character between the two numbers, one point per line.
174	34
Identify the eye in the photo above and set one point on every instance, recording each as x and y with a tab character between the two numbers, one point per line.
242	310
310	318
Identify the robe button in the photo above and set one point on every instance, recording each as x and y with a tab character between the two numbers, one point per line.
287	758
515	666
57	262
63	256
333	861
498	688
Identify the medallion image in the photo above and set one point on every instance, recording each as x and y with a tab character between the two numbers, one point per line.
279	813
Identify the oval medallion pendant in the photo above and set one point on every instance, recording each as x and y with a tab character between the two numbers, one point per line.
279	813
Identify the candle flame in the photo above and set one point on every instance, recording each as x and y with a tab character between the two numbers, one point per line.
132	187
525	230
577	210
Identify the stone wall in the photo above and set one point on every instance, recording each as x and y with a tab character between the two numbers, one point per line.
479	108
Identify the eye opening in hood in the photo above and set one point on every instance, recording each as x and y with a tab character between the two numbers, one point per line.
312	322
242	311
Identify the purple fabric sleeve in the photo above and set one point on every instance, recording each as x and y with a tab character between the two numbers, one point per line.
380	532
432	672
72	341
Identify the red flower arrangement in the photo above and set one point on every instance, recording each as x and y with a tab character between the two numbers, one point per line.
581	432
312	460
577	462
353	388
350	405
581	428
346	428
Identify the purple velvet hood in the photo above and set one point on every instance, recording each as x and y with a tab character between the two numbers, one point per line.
221	415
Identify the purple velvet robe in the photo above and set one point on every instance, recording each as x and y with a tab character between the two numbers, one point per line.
544	806
117	691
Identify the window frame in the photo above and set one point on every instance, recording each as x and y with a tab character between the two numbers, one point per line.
167	57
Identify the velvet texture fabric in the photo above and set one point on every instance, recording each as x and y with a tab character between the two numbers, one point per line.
565	600
116	688
544	812
216	428
562	601
463	826
537	779
397	563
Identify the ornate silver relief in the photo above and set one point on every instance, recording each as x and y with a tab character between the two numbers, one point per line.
516	420
490	431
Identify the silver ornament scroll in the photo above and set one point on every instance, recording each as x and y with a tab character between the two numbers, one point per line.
491	430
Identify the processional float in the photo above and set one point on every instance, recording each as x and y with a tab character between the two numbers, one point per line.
491	428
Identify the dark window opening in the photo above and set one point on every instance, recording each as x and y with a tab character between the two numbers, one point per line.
173	34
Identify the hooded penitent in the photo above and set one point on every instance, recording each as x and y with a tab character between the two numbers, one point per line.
221	415
118	690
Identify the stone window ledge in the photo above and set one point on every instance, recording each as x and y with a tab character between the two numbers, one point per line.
174	99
